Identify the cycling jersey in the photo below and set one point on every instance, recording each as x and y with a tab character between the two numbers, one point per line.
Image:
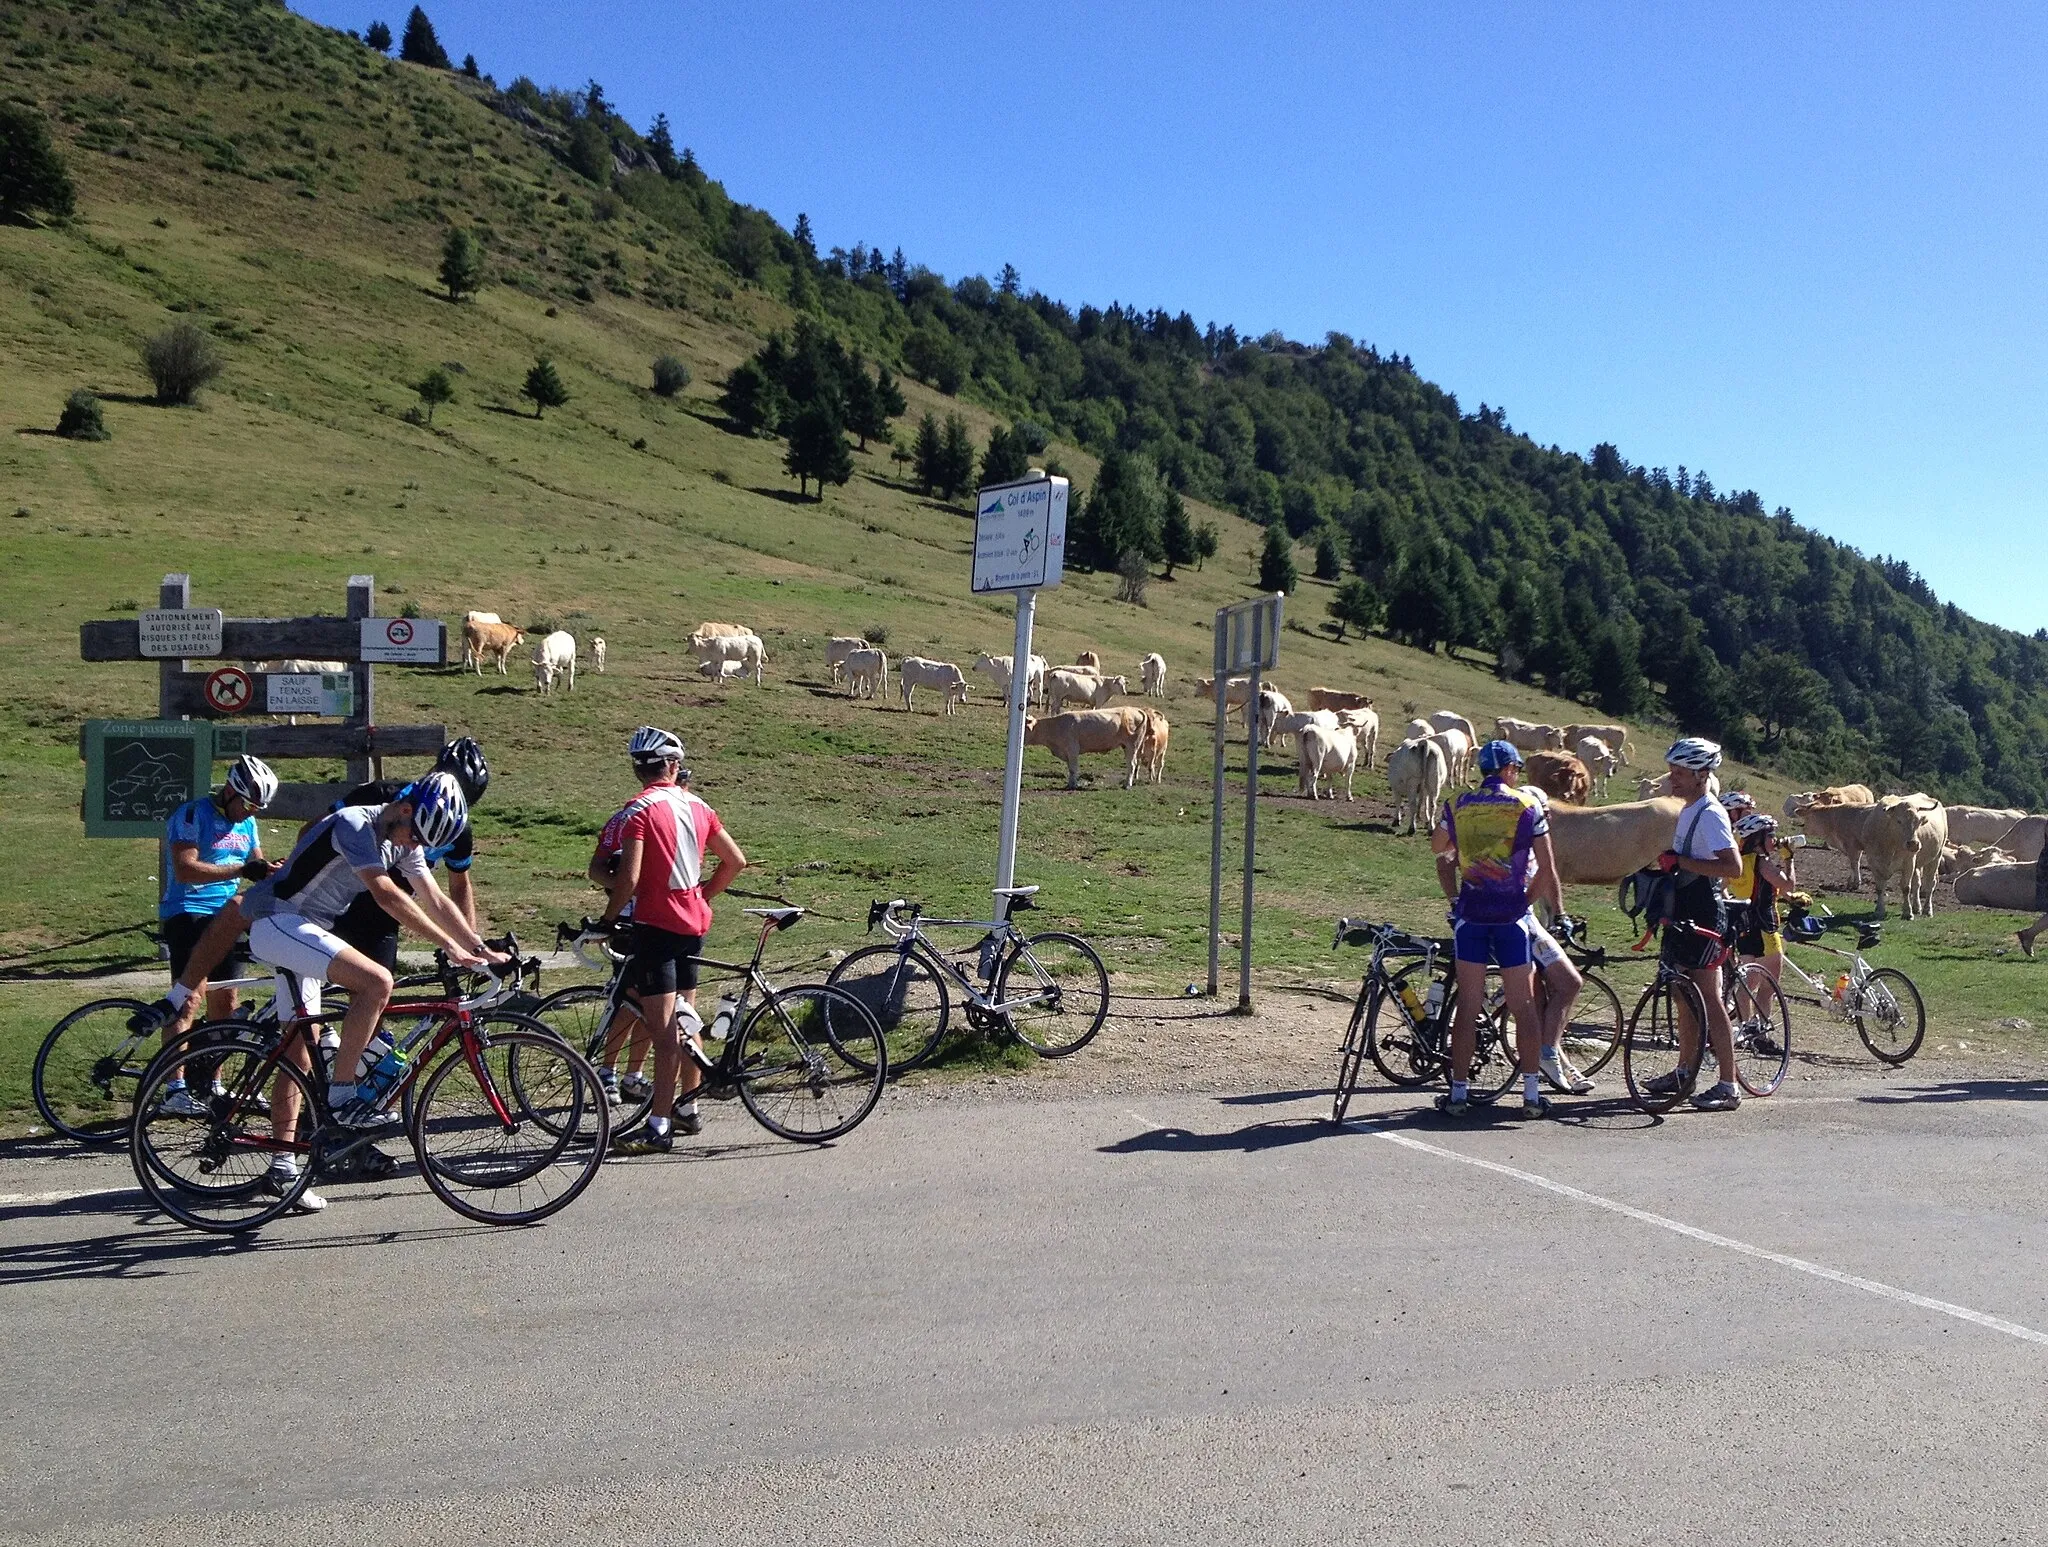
324	874
1494	828
673	827
365	925
220	842
378	792
610	845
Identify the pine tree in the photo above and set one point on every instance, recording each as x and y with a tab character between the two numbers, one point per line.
1276	562
803	287
957	457
806	244
462	263
817	447
1205	543
32	174
1123	512
435	388
420	46
929	454
470	67
1176	533
661	145
889	395
378	36
864	414
752	400
544	386
1005	460
1329	557
1357	605
1010	282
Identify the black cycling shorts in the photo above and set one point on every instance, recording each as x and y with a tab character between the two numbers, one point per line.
2041	880
658	962
1687	948
182	932
1756	933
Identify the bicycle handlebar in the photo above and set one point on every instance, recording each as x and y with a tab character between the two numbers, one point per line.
885	912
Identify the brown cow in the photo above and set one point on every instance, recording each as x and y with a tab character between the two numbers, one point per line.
1333	698
1604	843
1068	736
1559	775
497	640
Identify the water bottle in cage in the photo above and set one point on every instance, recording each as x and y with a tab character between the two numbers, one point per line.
989	950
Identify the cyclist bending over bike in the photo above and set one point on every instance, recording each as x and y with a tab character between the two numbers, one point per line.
291	918
1702	856
1490	842
662	838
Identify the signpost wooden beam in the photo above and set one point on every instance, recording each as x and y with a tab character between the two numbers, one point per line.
362	603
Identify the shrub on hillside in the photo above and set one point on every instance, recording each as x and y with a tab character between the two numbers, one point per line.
32	174
1132	573
544	386
435	388
875	634
81	417
378	37
180	361
670	375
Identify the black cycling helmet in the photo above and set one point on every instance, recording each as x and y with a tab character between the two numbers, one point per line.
464	759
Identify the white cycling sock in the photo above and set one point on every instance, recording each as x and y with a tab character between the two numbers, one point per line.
178	995
1532	1087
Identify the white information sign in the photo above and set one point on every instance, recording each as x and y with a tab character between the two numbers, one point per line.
402	641
327	693
1020	535
176	632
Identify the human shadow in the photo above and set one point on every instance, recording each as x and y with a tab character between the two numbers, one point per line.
1266	1098
1948	1091
1255	1139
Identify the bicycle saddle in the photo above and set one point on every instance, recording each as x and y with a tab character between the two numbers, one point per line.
1015	891
781	918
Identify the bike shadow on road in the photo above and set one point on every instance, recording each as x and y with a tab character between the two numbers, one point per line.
1960	1090
1279	1133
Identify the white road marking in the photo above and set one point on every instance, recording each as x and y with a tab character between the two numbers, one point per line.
1727	1243
1150	1126
15	1199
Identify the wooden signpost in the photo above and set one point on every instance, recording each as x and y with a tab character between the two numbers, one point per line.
176	634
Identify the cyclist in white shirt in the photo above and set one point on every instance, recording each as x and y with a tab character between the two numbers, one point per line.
1703	854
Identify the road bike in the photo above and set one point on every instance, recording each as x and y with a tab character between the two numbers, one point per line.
1652	1048
808	1061
1401	1018
1050	990
1882	1003
508	1125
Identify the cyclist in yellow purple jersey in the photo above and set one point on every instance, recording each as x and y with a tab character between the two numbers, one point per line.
1499	837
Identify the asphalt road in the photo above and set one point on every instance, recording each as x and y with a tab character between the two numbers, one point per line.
1160	1319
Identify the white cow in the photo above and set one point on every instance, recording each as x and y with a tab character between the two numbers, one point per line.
1064	685
1365	725
867	672
1237	692
949	681
1273	704
1458	750
554	657
837	648
1323	752
1529	736
1601	761
597	652
1416	774
1451	720
997	669
1152	675
715	651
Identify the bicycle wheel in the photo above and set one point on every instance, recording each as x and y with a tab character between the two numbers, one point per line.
1352	1055
1591	1035
810	1063
212	1171
1762	1023
905	993
1403	1048
505	1149
579	1017
1494	1061
87	1070
1889	1016
1065	992
1650	1049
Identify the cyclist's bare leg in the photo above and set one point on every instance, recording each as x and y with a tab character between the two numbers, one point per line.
1720	1032
658	1014
688	1077
1465	1020
1518	987
284	1094
1561	985
369	991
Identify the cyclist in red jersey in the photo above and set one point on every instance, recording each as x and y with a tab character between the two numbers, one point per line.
662	845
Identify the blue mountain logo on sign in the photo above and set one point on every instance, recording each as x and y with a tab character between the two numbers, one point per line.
994	507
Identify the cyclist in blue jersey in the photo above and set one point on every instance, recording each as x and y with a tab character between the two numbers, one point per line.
209	845
1490	843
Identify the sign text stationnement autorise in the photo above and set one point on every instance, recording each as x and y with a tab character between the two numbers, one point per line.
170	633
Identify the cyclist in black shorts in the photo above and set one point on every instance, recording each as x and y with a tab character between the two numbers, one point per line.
1702	856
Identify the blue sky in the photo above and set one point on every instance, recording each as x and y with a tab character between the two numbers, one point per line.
1803	252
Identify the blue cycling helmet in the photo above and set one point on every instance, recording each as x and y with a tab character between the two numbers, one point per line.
439	812
1496	755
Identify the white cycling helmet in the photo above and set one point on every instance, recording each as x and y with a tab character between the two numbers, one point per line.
439	811
1738	800
1758	824
1694	752
251	778
651	744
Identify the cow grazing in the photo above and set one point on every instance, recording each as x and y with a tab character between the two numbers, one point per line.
1904	837
597	652
715	652
1601	760
1063	686
1324	753
1530	737
1273	707
1844	827
1088	660
1616	737
1237	692
554	658
943	677
1659	787
1152	675
1416	775
837	648
1365	725
495	640
2008	886
867	672
1834	795
1152	749
1336	698
1601	844
1451	720
997	669
1294	723
709	629
1561	776
1073	735
1459	762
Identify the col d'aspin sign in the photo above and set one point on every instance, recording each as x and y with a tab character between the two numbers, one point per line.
1020	535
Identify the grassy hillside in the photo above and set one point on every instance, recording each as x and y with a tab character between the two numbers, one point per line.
288	190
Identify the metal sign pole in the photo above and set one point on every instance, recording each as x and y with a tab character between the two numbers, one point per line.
1251	810
1013	767
1222	645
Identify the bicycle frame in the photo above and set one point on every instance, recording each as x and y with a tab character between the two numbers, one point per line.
1000	933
